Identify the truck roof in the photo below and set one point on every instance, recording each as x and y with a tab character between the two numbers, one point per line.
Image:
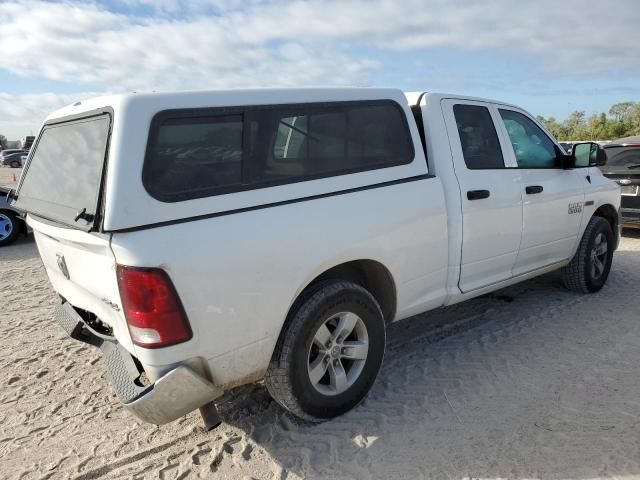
203	98
199	98
413	97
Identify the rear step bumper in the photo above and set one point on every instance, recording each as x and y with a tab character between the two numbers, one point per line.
176	393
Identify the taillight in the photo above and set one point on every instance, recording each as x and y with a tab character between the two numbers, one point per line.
152	307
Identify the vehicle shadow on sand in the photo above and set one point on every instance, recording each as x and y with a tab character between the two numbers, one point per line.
525	382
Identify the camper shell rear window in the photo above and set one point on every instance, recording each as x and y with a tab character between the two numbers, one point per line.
198	153
63	178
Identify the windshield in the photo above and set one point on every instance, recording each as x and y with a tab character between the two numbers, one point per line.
622	157
64	175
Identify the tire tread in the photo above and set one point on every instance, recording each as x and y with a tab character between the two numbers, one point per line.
277	377
574	275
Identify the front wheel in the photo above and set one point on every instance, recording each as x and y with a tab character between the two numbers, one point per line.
589	268
329	353
15	164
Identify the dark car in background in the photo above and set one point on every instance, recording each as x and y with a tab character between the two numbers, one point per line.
12	158
623	166
12	220
568	147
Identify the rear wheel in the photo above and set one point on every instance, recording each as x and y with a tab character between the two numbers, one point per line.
9	228
329	353
15	164
589	268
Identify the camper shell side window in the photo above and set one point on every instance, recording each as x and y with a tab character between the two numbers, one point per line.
196	153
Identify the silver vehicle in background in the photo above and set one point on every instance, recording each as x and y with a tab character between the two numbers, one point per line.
12	158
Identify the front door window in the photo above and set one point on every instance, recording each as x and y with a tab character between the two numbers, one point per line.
532	147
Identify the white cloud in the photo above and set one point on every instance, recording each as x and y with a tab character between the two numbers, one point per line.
234	43
22	114
250	44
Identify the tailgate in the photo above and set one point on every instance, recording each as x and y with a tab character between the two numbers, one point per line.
82	268
61	191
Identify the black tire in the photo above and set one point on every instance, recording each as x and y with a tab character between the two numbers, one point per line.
288	378
581	275
15	164
11	228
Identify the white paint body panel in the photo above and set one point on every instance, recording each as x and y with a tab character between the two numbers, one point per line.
238	274
486	259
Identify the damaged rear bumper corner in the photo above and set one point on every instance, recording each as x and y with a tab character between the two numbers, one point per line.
176	393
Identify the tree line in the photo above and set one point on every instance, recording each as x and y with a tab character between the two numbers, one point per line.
623	120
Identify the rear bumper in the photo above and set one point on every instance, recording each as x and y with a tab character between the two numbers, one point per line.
176	393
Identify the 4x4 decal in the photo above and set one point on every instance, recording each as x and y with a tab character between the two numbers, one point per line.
575	207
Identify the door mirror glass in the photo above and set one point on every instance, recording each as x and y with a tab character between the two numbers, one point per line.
588	154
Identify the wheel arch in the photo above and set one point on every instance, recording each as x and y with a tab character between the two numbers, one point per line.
372	275
610	214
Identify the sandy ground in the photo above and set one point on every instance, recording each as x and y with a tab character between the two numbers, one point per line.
530	382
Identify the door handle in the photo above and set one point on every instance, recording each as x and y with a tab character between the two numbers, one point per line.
531	189
478	194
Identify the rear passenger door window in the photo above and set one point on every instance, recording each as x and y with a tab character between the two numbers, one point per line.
194	155
532	147
478	138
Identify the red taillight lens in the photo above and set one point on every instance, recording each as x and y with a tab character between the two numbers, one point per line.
151	307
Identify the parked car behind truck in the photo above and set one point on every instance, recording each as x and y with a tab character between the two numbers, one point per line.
219	238
12	158
623	167
12	220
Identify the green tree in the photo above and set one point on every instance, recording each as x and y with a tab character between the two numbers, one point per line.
634	116
576	126
597	127
553	126
3	141
623	120
621	111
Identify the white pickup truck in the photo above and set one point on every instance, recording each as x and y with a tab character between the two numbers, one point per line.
206	240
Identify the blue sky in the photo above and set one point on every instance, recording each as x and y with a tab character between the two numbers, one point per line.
549	57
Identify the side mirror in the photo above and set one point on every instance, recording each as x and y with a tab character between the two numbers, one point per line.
564	161
588	154
601	157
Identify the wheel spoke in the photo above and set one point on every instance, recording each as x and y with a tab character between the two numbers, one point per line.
355	350
337	376
601	249
345	326
322	337
598	266
317	369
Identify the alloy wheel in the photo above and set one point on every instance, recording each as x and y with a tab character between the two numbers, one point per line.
599	254
338	353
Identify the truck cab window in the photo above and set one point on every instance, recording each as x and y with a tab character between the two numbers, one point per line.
478	137
532	147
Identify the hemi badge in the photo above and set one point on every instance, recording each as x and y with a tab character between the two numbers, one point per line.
111	304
